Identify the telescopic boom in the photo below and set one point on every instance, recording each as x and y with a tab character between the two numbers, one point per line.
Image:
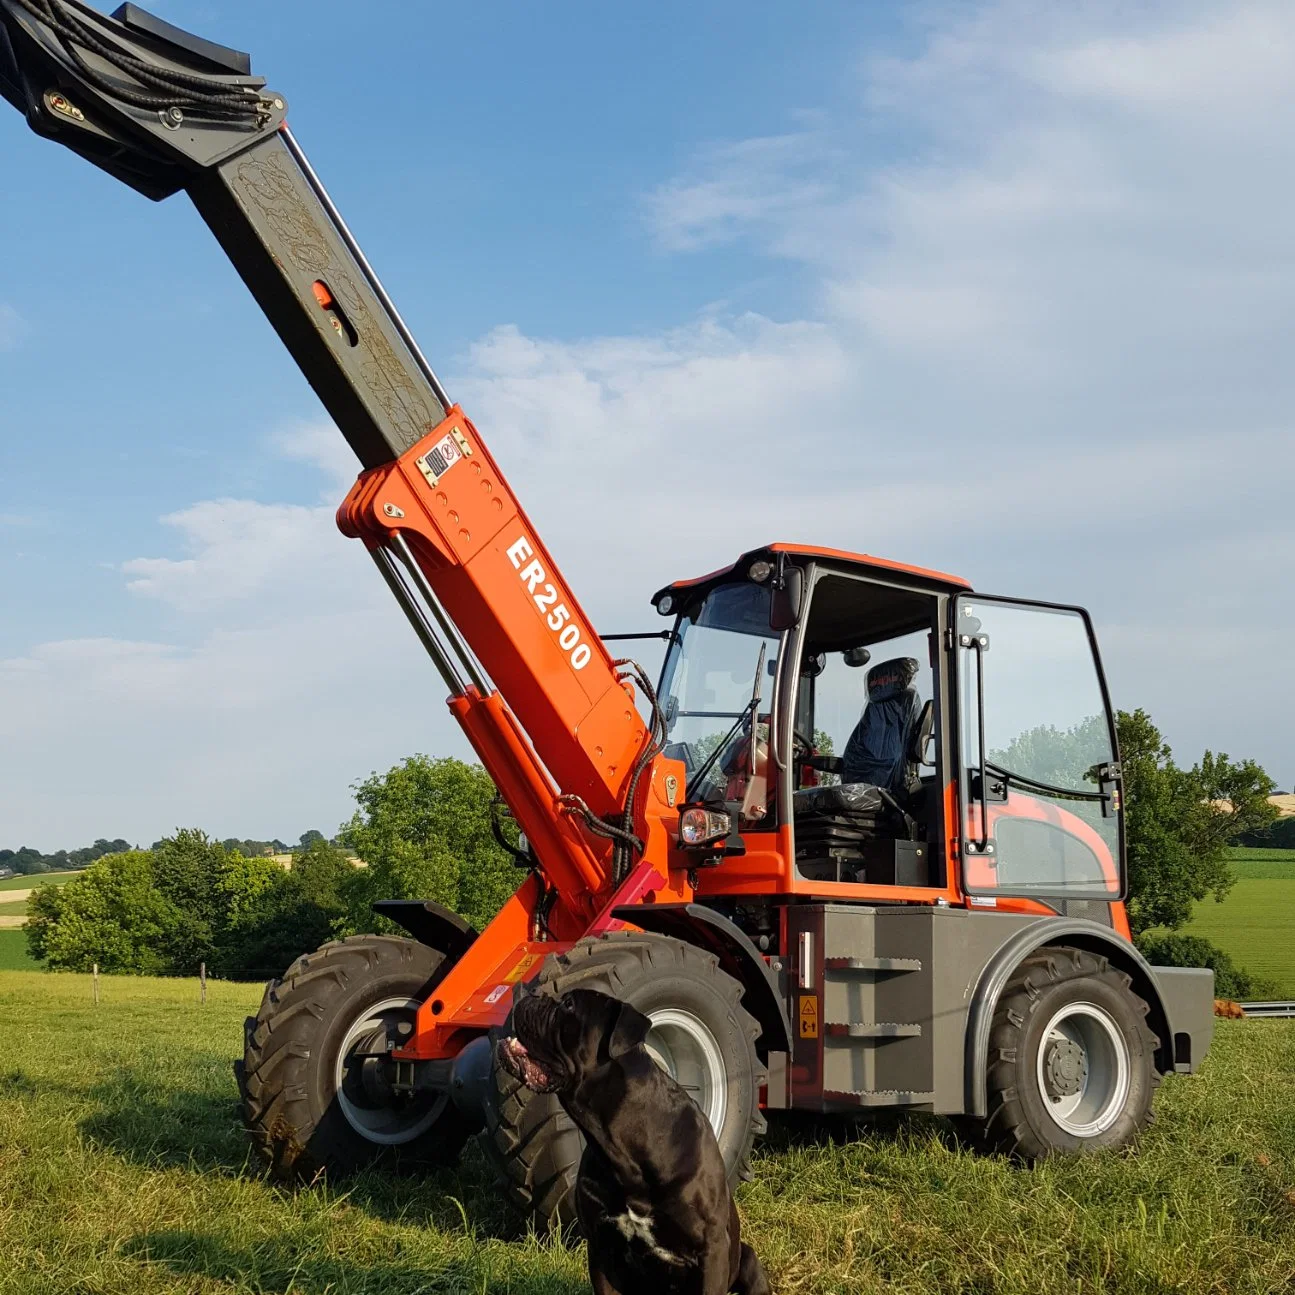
549	712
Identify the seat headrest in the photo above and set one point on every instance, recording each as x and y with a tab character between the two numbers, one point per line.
891	678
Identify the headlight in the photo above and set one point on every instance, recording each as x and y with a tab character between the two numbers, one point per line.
665	604
702	826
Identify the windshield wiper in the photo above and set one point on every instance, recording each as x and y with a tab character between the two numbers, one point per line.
696	780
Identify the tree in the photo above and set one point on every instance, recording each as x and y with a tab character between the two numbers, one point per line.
1180	821
188	869
112	914
28	861
219	893
309	838
295	913
423	829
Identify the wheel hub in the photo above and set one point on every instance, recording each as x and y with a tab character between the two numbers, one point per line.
1065	1068
363	1083
1083	1069
688	1052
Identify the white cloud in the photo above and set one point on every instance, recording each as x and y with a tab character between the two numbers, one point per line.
1049	351
11	327
319	444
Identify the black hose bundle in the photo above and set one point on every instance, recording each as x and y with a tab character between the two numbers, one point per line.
165	89
620	829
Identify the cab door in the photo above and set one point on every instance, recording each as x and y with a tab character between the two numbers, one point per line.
1039	778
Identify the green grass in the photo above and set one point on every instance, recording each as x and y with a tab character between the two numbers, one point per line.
14	910
123	1170
1256	925
1263	865
13	954
1262	852
37	879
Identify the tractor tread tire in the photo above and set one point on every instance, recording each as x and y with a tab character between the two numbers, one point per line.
294	1128
1008	1127
533	1143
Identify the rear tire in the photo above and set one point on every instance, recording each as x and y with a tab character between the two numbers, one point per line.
306	1107
1071	1059
701	1033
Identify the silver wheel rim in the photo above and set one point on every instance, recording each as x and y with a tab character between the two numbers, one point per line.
689	1053
388	1123
1083	1043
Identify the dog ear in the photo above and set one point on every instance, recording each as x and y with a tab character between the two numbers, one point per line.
630	1030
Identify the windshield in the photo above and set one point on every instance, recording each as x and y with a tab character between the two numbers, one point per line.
707	685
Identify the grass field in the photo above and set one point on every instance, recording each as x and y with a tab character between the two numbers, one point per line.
13	953
37	879
123	1170
1256	922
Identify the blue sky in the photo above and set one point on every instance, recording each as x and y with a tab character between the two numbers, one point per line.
1019	275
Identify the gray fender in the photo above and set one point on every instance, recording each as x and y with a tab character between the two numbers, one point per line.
701	926
1077	933
432	924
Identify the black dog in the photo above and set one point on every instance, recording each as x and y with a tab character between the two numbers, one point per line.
652	1195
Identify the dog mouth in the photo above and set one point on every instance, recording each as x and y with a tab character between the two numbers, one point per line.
519	1063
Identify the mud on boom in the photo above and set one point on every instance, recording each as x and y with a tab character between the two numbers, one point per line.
861	848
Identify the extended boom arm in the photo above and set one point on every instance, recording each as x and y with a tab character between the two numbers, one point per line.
164	111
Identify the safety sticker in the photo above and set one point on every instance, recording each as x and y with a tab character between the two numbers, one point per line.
808	1016
442	456
522	967
496	993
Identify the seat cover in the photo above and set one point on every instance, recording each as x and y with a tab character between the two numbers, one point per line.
878	749
846	798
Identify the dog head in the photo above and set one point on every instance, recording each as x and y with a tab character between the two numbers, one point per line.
558	1041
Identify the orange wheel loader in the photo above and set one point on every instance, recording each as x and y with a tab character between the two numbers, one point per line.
860	848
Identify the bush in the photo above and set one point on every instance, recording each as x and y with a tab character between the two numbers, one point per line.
112	914
1280	836
190	901
1230	981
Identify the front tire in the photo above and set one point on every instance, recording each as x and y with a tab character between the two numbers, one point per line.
310	1102
701	1035
1071	1059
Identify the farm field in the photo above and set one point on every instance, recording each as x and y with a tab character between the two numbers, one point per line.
22	882
123	1169
1256	922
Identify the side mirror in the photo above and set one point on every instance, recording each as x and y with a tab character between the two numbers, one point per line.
787	600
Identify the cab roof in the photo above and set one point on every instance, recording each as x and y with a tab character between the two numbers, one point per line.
838	558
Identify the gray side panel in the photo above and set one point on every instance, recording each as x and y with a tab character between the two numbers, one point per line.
966	942
1188	996
1095	910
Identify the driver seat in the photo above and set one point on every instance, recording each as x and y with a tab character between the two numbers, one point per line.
880	750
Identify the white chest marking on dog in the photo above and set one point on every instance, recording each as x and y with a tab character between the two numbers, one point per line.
638	1227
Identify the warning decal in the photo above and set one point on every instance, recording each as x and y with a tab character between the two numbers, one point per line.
808	1016
440	459
527	962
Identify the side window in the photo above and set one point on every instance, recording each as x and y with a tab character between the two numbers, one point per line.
1043	819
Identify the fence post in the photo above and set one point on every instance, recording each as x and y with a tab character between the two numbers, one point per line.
202	981
94	981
